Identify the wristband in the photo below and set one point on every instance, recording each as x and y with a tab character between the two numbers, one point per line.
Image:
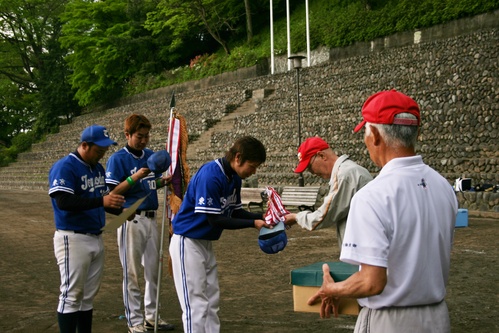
159	182
130	181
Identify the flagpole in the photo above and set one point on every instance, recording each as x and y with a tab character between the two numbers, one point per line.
160	263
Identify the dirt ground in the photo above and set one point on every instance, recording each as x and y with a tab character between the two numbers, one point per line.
256	295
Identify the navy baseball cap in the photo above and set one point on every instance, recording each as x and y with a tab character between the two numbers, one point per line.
159	162
98	135
273	240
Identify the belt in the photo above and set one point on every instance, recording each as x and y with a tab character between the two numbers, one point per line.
147	213
82	232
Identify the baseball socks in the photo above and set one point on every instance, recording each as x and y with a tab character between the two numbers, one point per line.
85	321
67	322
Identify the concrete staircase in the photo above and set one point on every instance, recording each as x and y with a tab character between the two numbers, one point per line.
201	150
30	172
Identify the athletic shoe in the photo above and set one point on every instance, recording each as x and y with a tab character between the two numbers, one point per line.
162	325
137	329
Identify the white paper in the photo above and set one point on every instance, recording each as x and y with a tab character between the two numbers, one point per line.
116	222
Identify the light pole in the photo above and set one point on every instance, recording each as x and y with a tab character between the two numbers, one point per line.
297	65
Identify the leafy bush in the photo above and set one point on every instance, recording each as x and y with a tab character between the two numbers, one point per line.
23	141
7	155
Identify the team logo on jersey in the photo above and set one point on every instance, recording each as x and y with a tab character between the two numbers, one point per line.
90	184
210	201
201	201
58	182
423	183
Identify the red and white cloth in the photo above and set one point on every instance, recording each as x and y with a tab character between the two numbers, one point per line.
275	211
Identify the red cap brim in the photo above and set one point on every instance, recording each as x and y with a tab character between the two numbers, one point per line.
359	126
302	166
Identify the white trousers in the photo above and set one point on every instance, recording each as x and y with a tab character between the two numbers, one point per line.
138	244
196	280
432	318
81	261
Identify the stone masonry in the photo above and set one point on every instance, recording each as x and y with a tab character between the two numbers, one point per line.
450	70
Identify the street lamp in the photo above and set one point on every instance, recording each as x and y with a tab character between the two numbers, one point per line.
297	65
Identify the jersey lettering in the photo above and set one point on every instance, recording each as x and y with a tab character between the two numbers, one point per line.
226	202
90	184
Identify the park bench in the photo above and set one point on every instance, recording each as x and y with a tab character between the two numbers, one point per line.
303	197
253	196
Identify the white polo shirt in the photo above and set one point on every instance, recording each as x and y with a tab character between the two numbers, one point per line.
403	220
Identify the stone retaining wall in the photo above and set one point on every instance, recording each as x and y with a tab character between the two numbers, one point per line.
450	70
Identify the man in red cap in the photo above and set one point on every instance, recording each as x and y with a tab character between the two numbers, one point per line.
399	229
345	178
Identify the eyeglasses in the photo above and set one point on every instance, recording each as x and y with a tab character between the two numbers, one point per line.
312	160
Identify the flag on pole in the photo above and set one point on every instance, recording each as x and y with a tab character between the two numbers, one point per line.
176	145
179	168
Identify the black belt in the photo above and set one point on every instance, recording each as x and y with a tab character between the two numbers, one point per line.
83	232
147	213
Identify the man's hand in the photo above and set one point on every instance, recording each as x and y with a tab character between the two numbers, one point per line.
143	172
113	201
290	219
259	224
329	304
165	180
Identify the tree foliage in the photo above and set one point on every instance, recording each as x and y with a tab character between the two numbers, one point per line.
59	53
107	44
29	33
218	18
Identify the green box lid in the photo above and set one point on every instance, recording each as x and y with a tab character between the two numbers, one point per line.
311	275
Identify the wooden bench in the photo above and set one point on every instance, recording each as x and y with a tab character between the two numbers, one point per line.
305	198
252	196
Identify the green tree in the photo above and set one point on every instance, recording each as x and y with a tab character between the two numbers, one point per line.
15	111
249	22
29	30
218	18
108	45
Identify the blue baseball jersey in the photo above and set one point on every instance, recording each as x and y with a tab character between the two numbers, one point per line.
73	175
123	164
210	191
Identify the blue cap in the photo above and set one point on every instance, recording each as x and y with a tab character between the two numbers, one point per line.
273	240
98	135
159	162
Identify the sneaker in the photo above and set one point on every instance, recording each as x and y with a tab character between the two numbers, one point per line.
137	329
162	325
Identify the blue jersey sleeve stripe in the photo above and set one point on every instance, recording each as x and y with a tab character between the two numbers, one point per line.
207	210
61	188
112	181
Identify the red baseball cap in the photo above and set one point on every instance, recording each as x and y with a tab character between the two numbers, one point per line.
307	149
382	107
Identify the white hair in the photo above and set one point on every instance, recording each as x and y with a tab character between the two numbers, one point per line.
397	135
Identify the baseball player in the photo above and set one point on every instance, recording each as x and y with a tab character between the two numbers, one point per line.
211	204
127	173
399	230
79	196
345	178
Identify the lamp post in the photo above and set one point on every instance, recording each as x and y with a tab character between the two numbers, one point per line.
296	59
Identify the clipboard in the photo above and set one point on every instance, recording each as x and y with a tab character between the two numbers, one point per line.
116	222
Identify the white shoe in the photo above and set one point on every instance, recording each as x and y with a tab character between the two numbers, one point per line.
137	329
